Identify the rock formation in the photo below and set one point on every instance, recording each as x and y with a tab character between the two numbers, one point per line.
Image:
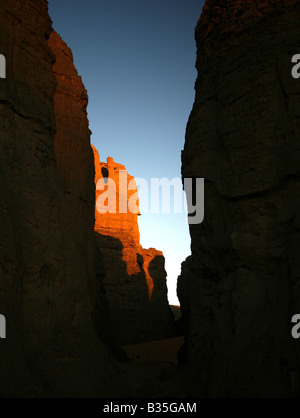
240	288
75	161
49	290
135	278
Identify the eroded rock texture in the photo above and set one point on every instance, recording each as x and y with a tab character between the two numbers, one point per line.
48	287
73	152
242	285
135	278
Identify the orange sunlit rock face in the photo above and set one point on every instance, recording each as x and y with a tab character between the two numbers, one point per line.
123	219
123	226
135	278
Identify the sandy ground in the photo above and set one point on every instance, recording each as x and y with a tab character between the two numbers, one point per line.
153	371
164	351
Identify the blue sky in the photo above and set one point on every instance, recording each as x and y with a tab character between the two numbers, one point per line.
137	61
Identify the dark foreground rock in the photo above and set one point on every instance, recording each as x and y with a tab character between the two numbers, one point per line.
58	340
49	290
241	287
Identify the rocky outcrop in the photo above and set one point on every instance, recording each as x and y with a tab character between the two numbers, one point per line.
75	162
135	278
241	287
48	288
73	152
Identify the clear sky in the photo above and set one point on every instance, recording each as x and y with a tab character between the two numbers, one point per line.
137	61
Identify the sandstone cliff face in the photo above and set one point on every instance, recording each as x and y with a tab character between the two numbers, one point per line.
241	287
135	278
73	152
75	162
48	287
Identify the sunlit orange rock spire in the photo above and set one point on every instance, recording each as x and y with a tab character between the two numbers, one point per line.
123	226
135	278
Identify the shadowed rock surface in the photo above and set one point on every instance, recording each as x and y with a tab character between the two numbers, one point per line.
48	288
135	278
238	290
75	161
241	287
59	339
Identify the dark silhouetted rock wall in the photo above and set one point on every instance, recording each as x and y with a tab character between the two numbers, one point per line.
48	288
241	286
